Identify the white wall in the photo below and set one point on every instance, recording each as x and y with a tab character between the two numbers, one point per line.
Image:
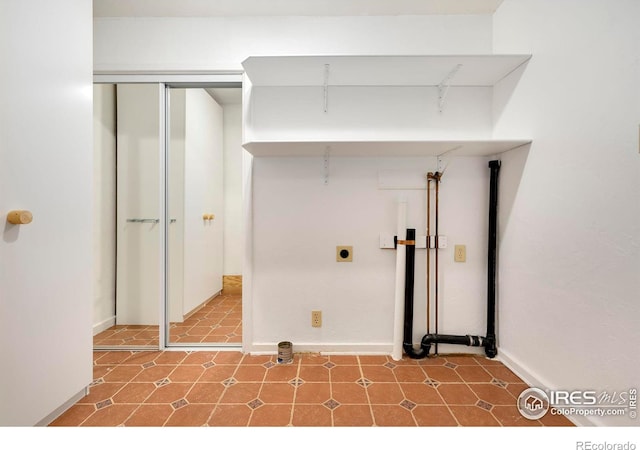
104	196
223	43
570	253
298	222
46	167
203	193
233	226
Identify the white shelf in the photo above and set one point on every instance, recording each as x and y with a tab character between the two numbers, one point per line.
429	70
383	148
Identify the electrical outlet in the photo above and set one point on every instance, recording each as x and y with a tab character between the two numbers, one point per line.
316	319
460	253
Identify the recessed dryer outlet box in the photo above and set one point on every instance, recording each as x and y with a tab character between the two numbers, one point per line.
344	253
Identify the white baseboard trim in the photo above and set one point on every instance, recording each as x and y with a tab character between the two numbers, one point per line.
325	349
535	380
105	324
62	408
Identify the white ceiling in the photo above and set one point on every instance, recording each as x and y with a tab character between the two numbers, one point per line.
209	8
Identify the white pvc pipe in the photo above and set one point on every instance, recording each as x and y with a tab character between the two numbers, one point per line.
398	320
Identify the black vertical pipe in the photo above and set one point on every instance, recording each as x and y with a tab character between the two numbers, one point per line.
490	343
409	278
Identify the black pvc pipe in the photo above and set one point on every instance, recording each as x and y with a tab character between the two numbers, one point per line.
407	340
490	344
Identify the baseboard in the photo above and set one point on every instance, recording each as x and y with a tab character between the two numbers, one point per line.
104	325
325	349
231	284
61	409
200	306
535	380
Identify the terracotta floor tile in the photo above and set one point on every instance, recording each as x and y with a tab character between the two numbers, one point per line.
313	359
257	359
378	374
373	360
405	361
314	373
461	360
509	416
311	416
250	373
484	361
431	361
205	393
230	416
217	373
474	374
241	393
282	372
134	393
100	371
421	394
493	394
271	415
472	416
153	373
504	374
222	331
101	392
277	393
228	358
170	358
340	374
186	373
313	393
385	393
149	416
352	416
109	358
443	374
457	394
199	357
199	331
392	416
410	374
349	393
140	358
74	416
169	393
110	416
516	389
344	360
122	373
433	416
190	416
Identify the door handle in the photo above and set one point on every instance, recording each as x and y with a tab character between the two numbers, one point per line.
143	220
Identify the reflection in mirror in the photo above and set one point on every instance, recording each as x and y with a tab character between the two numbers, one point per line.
127	231
204	207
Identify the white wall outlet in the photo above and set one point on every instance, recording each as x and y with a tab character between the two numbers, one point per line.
421	242
460	253
316	319
442	242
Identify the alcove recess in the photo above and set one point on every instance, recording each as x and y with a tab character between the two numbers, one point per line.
375	105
